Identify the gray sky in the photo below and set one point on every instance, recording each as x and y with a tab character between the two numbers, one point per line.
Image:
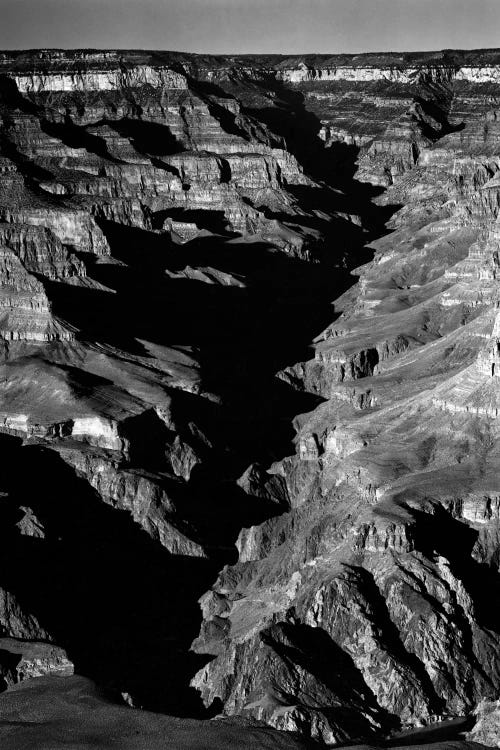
219	26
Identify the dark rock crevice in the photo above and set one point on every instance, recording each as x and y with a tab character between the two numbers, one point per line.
100	586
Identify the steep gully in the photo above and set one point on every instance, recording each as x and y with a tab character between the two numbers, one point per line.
130	593
83	572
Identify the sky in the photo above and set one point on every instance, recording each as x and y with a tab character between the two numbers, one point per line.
260	26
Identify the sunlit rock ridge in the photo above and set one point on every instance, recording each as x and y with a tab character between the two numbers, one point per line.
250	396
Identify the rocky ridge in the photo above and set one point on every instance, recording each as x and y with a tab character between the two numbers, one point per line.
173	231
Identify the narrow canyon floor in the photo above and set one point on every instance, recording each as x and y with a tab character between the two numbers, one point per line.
249	362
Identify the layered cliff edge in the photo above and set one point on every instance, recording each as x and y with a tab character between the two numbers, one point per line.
250	348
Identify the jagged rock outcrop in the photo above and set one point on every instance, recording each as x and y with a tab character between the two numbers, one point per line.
26	660
486	729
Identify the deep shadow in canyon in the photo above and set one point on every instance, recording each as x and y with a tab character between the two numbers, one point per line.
136	633
123	607
98	582
243	336
268	101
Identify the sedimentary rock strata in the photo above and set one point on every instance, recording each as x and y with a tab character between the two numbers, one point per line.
250	349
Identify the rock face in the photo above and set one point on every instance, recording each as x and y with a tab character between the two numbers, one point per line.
185	417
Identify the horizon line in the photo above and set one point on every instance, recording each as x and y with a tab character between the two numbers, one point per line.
249	54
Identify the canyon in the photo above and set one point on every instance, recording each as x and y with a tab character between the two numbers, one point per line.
249	399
